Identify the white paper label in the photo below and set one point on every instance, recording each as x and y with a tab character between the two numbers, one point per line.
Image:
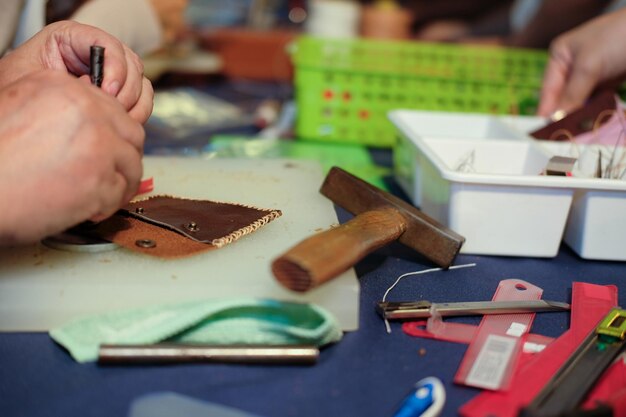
492	362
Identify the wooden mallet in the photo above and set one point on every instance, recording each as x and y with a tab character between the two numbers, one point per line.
380	218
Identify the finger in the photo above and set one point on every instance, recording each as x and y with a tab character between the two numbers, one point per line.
130	92
552	86
123	124
142	110
74	43
123	70
110	197
130	131
128	165
556	75
581	82
121	182
85	79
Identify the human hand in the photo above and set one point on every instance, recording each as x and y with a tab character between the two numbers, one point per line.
172	17
581	60
68	153
65	46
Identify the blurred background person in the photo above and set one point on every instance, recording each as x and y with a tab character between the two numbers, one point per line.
144	25
520	23
452	20
583	60
10	12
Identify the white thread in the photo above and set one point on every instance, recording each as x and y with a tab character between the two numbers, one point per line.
425	271
466	163
245	230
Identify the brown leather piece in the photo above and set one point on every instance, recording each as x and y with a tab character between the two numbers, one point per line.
205	221
137	236
171	227
580	121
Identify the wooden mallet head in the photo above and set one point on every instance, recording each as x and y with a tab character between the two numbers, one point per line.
380	218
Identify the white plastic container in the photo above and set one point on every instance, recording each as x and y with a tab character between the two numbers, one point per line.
499	201
481	178
596	226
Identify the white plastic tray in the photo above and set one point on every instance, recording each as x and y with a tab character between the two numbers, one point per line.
595	227
480	175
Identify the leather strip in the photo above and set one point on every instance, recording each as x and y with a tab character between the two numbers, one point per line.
580	121
204	221
171	227
149	239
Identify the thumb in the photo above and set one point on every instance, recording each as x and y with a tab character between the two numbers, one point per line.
579	86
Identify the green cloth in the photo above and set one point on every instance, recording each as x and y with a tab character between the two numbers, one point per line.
219	322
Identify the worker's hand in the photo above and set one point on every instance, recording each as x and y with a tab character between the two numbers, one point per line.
68	153
581	60
65	46
172	17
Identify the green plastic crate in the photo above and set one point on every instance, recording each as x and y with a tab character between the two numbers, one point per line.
344	88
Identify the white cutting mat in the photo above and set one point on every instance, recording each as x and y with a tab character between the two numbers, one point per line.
42	288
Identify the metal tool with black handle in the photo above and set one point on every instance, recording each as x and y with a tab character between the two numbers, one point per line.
404	310
564	393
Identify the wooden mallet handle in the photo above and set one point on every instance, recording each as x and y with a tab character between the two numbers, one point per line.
327	254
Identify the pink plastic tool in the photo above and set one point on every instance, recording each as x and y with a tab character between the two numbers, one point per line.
435	328
590	303
490	359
